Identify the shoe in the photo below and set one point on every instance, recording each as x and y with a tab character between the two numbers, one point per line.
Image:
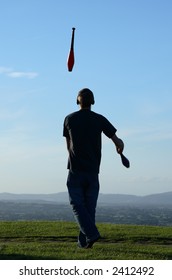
80	246
91	243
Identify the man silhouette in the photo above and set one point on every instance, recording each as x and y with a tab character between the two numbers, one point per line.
83	130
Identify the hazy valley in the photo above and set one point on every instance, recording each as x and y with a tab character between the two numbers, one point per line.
112	208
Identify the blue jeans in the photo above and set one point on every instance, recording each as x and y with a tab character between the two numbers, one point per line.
83	189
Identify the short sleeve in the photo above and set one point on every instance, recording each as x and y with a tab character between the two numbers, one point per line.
65	130
108	129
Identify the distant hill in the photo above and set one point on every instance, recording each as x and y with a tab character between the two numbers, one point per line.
161	198
62	197
112	208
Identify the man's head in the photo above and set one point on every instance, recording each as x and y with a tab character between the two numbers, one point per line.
85	98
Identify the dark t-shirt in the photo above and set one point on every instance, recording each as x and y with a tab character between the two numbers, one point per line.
84	129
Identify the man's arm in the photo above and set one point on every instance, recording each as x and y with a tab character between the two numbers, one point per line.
118	143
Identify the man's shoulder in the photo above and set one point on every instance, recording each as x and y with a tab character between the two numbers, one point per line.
71	115
79	114
98	115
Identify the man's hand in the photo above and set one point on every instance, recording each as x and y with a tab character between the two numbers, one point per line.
119	150
118	143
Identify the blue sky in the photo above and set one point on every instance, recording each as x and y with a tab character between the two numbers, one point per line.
122	53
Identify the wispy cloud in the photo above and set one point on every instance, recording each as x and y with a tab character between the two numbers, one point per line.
17	74
5	70
29	75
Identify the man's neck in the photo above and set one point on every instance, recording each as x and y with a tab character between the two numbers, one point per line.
85	108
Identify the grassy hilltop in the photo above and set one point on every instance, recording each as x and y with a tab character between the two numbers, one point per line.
57	240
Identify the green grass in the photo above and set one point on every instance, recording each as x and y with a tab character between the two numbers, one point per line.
58	241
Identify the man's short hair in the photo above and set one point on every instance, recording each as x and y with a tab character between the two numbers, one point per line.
85	97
